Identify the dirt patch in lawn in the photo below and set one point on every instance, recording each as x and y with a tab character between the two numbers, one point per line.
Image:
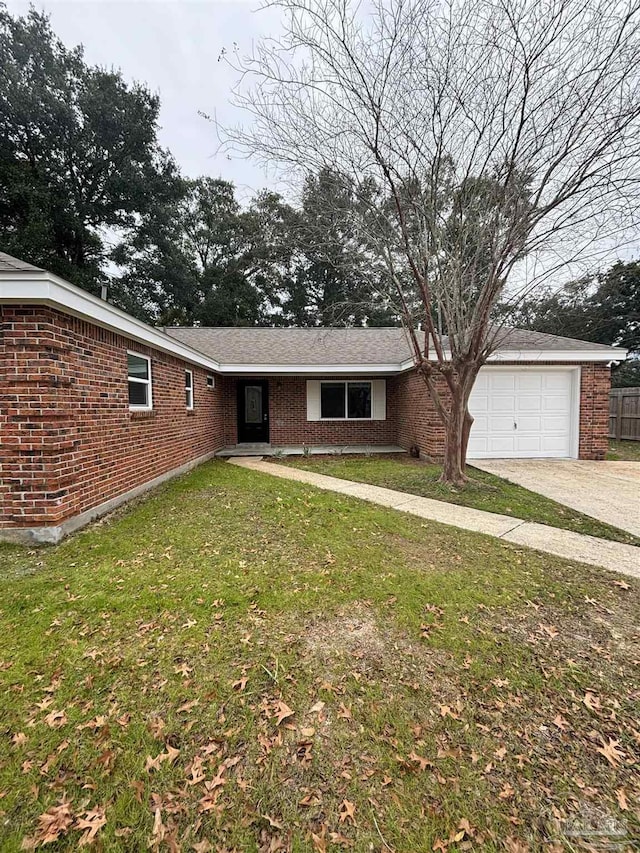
354	640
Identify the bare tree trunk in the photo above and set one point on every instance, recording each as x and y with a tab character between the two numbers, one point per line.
458	422
455	439
466	430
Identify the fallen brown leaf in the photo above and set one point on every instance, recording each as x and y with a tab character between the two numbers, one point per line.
347	811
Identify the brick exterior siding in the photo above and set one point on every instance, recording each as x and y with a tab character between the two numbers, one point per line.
69	441
419	425
594	411
288	422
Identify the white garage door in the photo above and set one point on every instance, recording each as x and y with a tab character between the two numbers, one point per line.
522	413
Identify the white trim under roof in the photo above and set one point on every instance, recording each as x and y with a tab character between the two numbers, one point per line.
39	287
310	369
572	356
43	288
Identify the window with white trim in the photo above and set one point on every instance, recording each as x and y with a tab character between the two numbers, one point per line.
345	401
188	388
139	375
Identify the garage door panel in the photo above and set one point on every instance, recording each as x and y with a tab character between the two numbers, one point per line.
501	445
555	404
529	382
529	444
553	424
558	381
500	403
529	423
522	414
497	423
502	382
529	403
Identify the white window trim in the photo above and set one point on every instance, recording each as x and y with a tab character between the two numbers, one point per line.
132	406
189	389
346	384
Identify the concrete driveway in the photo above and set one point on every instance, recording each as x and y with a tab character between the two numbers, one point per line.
609	491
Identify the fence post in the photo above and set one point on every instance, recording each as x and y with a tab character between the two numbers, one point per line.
619	417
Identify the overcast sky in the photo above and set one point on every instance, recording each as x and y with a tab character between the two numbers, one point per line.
173	47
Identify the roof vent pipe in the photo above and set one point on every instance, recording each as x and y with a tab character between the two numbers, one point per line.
104	290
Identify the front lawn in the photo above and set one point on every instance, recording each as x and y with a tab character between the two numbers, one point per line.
484	490
627	451
241	663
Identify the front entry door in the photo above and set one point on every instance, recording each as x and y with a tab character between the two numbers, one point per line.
253	410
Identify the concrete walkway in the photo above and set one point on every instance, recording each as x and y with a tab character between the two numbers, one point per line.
563	543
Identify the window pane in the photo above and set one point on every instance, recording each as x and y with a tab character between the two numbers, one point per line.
138	394
187	378
359	399
138	367
253	404
332	400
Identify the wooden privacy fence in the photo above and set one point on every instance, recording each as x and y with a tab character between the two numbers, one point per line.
624	414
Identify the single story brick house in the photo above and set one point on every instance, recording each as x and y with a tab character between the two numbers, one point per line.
98	406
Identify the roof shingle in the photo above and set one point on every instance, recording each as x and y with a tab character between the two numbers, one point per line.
327	346
10	264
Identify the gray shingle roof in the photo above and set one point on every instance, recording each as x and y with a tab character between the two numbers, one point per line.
10	264
525	339
243	345
250	345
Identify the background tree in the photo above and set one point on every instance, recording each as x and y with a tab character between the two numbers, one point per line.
203	260
604	308
78	152
333	277
497	133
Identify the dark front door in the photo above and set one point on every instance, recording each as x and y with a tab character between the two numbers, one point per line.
253	410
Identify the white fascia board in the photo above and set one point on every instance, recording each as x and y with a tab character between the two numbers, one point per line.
566	356
47	289
572	356
310	369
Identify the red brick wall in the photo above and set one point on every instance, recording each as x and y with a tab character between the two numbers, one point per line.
594	411
418	423
69	441
288	422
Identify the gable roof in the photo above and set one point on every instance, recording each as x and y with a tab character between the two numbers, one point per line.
364	347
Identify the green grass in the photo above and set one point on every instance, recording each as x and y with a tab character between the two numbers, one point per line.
484	491
627	451
439	682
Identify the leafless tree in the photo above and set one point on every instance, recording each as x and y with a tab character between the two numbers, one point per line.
496	132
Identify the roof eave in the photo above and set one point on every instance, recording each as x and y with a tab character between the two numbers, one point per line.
43	288
574	356
310	369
